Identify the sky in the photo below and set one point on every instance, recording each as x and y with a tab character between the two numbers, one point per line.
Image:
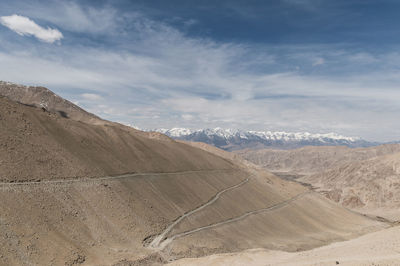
282	65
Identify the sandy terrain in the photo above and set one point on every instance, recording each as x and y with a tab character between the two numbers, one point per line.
369	186
77	192
312	160
43	98
100	220
37	145
378	248
237	159
363	179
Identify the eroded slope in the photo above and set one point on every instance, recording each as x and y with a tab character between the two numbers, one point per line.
370	186
378	248
312	160
63	200
364	179
38	145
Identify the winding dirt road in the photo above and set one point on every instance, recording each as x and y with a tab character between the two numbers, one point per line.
156	243
161	242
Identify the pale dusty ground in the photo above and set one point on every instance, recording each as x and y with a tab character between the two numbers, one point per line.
378	248
364	179
313	159
59	205
392	214
369	186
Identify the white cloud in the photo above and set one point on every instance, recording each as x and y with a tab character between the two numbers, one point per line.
363	58
185	75
74	17
25	26
187	117
318	61
167	79
69	15
91	97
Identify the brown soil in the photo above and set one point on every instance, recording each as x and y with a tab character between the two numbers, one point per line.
312	160
370	186
38	145
378	248
363	179
58	207
41	97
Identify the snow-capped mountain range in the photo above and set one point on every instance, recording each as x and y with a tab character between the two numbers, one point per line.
230	139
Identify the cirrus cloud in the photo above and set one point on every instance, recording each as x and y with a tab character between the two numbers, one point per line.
91	96
128	65
318	61
24	26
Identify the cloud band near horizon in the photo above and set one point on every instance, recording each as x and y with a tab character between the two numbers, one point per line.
152	68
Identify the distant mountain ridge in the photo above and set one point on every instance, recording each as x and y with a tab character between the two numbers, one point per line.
231	139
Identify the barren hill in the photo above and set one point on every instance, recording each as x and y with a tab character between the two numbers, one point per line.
222	153
378	248
39	145
44	98
370	186
311	160
364	179
77	192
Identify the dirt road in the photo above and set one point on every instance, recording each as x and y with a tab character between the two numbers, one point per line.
94	179
162	244
160	238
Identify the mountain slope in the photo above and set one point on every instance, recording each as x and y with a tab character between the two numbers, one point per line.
312	160
63	200
378	248
364	179
230	140
43	98
38	145
371	186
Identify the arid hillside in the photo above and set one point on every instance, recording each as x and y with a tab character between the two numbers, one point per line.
44	98
370	186
364	179
378	248
39	145
238	160
75	192
312	160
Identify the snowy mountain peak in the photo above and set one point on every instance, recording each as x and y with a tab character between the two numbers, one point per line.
231	139
227	133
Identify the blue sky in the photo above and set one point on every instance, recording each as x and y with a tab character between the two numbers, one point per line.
291	65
